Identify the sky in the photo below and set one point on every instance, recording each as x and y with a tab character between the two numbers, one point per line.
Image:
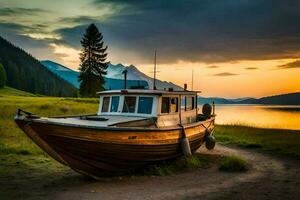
245	48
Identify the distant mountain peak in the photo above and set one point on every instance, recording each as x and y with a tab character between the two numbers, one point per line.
117	65
132	67
113	79
56	65
113	72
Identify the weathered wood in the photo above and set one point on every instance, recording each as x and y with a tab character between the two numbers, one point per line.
103	151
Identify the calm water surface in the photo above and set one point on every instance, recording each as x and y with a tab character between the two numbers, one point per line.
282	117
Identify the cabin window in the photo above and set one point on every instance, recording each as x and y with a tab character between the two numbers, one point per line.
193	103
165	105
129	104
174	104
182	103
145	105
105	104
114	104
169	105
187	103
190	103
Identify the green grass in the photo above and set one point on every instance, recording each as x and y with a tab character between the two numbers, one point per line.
12	139
8	91
22	163
233	164
284	142
16	146
182	164
25	170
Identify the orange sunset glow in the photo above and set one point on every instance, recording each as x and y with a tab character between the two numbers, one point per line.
255	78
230	55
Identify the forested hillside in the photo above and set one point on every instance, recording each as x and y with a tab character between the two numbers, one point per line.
26	73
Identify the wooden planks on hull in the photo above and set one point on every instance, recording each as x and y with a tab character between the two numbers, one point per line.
95	157
116	136
97	152
118	151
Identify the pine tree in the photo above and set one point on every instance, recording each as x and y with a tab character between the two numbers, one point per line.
93	62
2	76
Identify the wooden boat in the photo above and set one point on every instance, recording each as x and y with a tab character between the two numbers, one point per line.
132	128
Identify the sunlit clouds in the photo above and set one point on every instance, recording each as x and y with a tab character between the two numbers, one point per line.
69	56
267	80
236	48
294	64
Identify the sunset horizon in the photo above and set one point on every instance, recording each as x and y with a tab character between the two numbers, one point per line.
231	58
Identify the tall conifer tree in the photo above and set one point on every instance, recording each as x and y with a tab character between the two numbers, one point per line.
93	62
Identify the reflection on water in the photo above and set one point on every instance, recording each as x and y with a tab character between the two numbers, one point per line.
283	117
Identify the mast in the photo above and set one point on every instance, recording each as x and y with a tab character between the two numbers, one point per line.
154	78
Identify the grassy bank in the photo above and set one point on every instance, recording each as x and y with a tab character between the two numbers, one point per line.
24	165
286	142
12	139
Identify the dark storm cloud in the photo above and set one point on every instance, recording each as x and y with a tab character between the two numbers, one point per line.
20	28
225	74
204	30
251	68
72	36
15	32
79	20
295	64
12	27
192	30
20	11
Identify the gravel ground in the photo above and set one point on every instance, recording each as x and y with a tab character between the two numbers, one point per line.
269	177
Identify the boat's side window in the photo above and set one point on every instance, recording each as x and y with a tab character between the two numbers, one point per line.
145	105
114	103
105	104
174	104
193	103
190	103
129	104
182	102
165	105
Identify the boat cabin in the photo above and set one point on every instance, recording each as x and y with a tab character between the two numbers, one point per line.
168	108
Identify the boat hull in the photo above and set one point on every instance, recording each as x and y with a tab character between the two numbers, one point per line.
109	151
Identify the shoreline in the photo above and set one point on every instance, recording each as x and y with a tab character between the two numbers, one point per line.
278	141
27	172
256	127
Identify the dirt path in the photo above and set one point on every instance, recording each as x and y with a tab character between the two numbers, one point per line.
268	178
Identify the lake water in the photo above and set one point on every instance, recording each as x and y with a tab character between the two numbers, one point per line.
282	117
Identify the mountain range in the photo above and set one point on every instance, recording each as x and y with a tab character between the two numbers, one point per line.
282	99
114	78
26	73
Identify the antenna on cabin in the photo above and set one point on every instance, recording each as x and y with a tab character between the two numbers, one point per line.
193	80
154	77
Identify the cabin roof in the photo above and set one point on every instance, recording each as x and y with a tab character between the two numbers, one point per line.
149	92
